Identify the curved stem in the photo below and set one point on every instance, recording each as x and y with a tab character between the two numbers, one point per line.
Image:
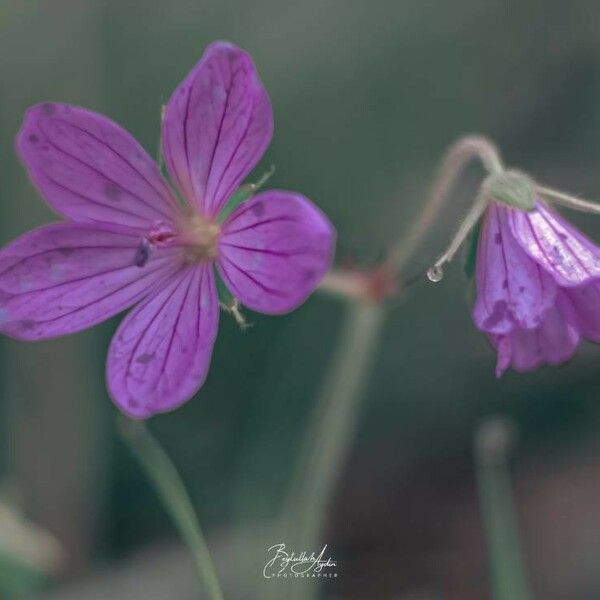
453	163
329	434
171	490
356	285
463	231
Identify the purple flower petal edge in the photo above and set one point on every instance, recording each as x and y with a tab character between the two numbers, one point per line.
558	247
274	250
90	169
513	291
554	342
217	125
160	354
64	277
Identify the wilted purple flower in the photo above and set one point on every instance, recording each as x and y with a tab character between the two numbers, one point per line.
538	286
128	241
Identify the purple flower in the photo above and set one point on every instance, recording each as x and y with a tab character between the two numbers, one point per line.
127	239
538	286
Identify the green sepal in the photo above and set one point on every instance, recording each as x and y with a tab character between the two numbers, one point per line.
242	194
513	188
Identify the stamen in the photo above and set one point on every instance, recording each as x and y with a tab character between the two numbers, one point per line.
234	309
263	179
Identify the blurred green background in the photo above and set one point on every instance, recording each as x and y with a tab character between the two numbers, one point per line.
367	95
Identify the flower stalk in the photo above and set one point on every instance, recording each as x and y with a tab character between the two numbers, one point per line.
373	285
457	157
382	282
436	273
492	449
329	435
170	488
568	200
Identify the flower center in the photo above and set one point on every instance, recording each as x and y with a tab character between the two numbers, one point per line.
199	238
195	235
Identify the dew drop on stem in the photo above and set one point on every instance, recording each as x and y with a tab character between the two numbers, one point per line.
435	273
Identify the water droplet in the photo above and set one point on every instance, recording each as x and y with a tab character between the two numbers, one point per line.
435	273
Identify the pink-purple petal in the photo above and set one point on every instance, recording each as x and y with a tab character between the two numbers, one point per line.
90	169
216	127
561	249
513	291
64	277
160	354
553	342
585	302
274	250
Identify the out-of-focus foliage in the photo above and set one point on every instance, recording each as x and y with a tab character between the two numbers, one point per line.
29	556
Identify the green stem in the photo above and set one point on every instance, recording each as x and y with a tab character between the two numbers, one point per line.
334	420
328	436
168	484
453	163
568	200
507	571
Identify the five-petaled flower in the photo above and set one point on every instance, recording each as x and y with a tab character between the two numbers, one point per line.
537	284
127	239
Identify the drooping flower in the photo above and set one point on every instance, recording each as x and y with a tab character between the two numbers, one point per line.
537	278
538	287
128	241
